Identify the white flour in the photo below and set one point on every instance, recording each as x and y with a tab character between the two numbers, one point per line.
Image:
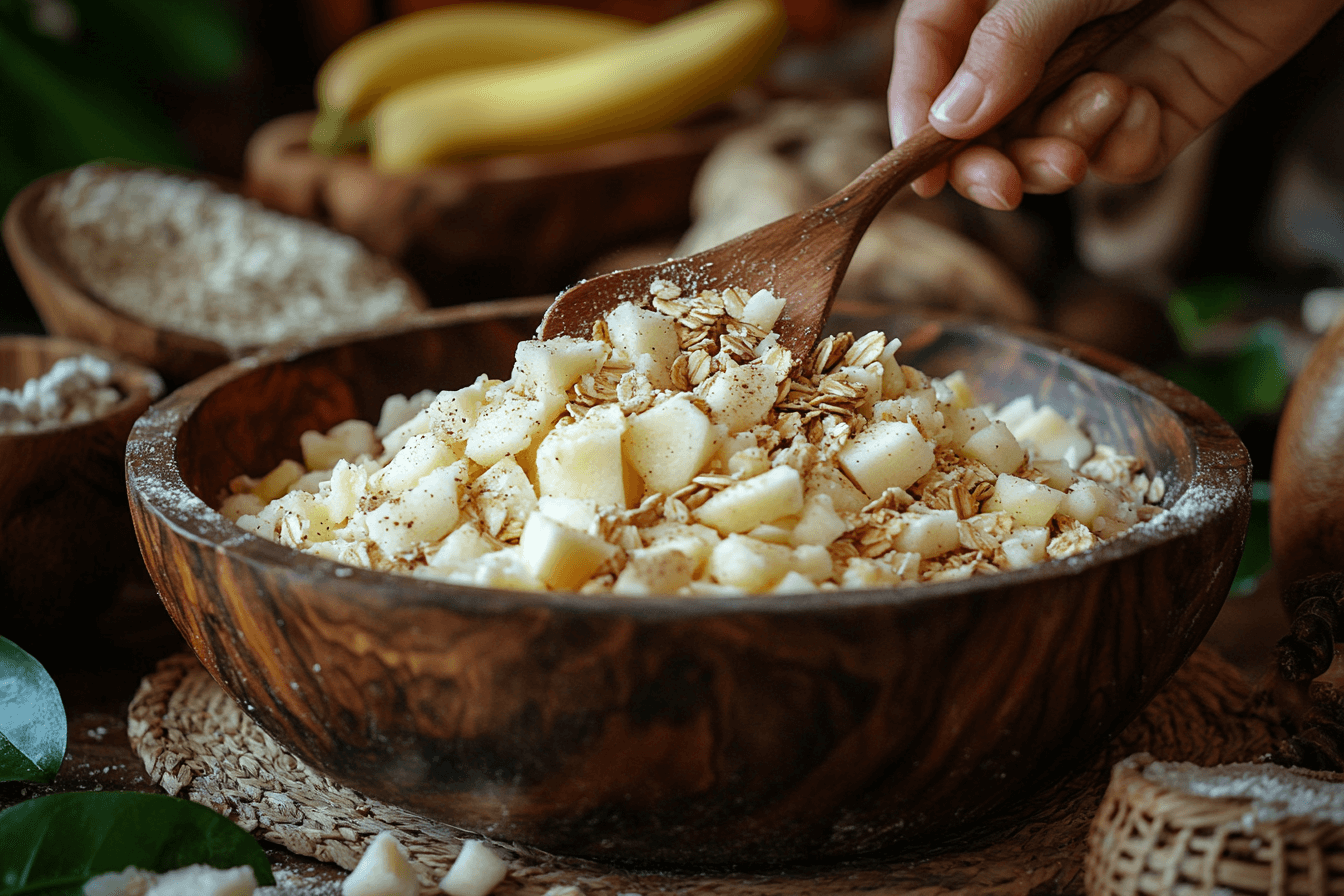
182	254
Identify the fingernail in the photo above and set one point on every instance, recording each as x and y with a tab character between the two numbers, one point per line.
1098	113
987	197
1046	177
959	100
1134	117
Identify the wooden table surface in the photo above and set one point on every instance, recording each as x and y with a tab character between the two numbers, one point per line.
98	678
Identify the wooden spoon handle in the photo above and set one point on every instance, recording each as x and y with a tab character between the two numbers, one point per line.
926	147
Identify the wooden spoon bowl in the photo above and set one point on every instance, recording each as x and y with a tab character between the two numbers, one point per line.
68	307
65	529
671	730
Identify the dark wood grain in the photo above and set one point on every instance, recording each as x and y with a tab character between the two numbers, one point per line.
65	529
678	731
69	308
504	226
1305	512
803	257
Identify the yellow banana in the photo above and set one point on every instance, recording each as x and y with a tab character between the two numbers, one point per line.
642	82
444	39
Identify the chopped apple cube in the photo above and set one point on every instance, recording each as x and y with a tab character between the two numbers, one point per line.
502	495
754	566
421	514
888	454
419	456
648	339
761	499
463	545
453	413
509	424
995	447
813	561
763	309
827	479
475	872
399	410
1028	503
1052	437
741	397
553	365
1015	411
929	534
818	524
1058	473
963	396
656	570
583	459
670	443
794	583
382	871
562	557
1026	546
344	441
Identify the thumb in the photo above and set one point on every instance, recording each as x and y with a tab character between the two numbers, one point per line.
1007	54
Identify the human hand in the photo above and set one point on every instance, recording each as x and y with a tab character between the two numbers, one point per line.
962	65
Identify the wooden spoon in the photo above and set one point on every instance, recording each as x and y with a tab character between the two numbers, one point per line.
803	257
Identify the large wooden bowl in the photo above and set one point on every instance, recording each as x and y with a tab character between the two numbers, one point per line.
65	530
68	307
671	730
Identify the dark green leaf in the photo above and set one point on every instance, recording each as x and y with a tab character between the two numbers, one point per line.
200	40
1257	555
1194	308
55	843
32	719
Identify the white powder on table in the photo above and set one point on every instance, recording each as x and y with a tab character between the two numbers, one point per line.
183	254
74	390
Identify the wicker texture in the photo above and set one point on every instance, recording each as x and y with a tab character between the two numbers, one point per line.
1150	838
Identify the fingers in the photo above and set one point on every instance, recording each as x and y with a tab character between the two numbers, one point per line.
1005	55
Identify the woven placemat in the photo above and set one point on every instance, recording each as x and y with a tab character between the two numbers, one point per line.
195	741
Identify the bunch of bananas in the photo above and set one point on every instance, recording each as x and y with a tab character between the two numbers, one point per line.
488	78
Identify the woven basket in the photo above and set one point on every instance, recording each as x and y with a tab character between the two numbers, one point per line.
1149	838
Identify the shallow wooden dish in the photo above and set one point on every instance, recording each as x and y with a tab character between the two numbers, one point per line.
68	308
65	528
674	731
504	226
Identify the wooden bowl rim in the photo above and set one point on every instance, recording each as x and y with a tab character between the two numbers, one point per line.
21	220
140	385
154	479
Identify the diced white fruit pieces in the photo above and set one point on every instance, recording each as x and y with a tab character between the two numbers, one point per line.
508	425
1015	411
995	447
421	514
561	557
740	397
503	494
553	365
1052	437
1026	546
963	396
1058	473
344	441
1086	500
751	565
761	499
476	871
763	309
583	459
930	534
888	454
648	339
818	524
670	443
655	570
191	880
1028	503
382	871
828	480
454	413
417	457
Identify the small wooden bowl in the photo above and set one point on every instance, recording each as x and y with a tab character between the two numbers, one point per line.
68	308
65	528
683	731
489	228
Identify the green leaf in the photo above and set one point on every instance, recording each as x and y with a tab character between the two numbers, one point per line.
1257	555
53	844
32	719
200	40
1195	308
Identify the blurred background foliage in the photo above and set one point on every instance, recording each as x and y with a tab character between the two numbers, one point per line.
80	76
